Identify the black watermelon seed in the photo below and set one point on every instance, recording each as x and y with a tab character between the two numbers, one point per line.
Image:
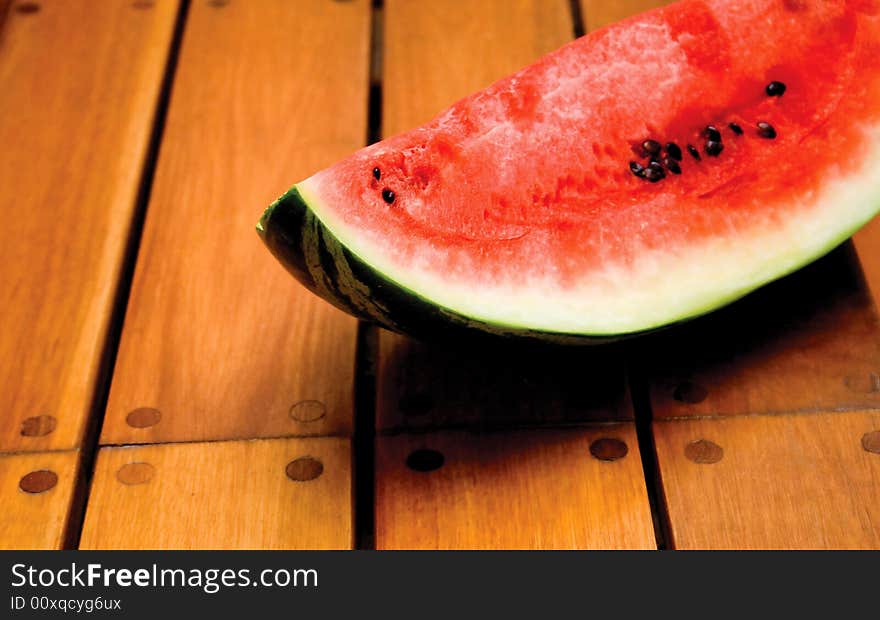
765	130
637	169
654	172
736	129
377	173
387	195
652	147
672	165
712	133
775	89
714	148
673	150
694	152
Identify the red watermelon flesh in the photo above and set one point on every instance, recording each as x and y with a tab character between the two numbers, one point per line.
516	209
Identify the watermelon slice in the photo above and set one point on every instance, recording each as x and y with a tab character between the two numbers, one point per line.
647	173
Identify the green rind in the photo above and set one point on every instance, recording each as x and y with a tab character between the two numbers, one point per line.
315	257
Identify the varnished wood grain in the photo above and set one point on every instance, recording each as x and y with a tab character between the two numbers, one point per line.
789	481
539	489
36	520
599	13
437	52
79	87
218	338
221	495
867	243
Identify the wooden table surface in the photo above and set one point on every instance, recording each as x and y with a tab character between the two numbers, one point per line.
165	384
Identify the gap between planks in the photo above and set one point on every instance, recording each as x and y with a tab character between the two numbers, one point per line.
91	436
363	441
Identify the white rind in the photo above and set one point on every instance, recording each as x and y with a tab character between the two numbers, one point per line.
660	287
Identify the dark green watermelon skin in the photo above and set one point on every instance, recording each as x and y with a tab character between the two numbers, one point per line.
314	256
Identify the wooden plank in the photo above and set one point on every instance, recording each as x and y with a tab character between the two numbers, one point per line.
78	105
513	490
789	481
36	490
599	13
548	488
429	386
867	243
219	341
258	494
